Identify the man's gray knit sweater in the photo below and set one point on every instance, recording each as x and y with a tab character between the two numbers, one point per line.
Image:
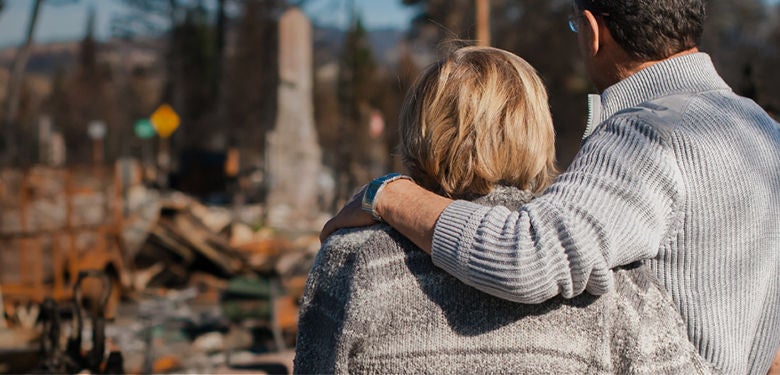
375	303
678	170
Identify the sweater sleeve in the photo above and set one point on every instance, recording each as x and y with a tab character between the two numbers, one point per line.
613	206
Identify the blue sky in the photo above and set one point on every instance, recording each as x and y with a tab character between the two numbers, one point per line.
67	22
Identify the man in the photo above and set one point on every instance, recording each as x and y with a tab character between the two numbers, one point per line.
676	170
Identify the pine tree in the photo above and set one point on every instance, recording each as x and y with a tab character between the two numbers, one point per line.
251	77
356	85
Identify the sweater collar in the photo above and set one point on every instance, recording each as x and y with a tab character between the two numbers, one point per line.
689	73
507	196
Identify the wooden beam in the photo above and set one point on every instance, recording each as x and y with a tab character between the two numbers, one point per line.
73	253
483	23
3	323
24	253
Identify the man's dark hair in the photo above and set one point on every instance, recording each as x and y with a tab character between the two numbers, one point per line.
651	30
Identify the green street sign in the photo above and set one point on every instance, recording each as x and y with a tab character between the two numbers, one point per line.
144	129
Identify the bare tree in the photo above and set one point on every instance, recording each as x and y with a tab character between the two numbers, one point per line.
395	84
15	84
735	37
248	97
356	85
17	77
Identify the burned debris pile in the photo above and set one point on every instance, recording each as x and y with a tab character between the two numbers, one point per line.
192	287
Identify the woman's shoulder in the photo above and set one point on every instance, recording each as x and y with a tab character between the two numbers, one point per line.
636	281
377	237
345	256
355	247
652	332
350	237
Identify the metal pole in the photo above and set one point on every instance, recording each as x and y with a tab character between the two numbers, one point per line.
164	164
97	151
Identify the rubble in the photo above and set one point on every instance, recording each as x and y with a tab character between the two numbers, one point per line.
204	289
188	239
19	338
173	331
209	343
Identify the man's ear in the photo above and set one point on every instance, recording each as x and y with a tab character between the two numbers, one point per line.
592	32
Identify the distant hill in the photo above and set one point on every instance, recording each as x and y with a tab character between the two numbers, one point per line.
47	58
384	44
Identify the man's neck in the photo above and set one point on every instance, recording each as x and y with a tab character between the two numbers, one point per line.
627	68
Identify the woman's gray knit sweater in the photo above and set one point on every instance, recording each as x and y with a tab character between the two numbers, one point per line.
374	303
679	171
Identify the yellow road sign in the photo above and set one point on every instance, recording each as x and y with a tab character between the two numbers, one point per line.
165	120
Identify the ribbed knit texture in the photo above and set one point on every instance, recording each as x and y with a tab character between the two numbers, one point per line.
681	172
374	303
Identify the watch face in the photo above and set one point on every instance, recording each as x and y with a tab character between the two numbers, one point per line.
373	187
371	190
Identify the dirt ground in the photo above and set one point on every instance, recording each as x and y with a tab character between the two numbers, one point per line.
167	334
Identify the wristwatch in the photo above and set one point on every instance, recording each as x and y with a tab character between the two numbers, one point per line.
374	188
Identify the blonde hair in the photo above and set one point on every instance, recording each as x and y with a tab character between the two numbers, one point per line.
478	118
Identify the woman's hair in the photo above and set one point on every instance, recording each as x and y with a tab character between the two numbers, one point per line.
478	118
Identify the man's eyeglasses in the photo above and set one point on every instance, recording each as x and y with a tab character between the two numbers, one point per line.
574	20
574	25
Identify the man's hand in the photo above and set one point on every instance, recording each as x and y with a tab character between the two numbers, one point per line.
408	208
351	215
775	368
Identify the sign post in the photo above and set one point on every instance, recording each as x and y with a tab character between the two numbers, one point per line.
45	131
165	121
97	132
144	130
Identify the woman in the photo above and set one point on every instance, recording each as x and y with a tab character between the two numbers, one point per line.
476	126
